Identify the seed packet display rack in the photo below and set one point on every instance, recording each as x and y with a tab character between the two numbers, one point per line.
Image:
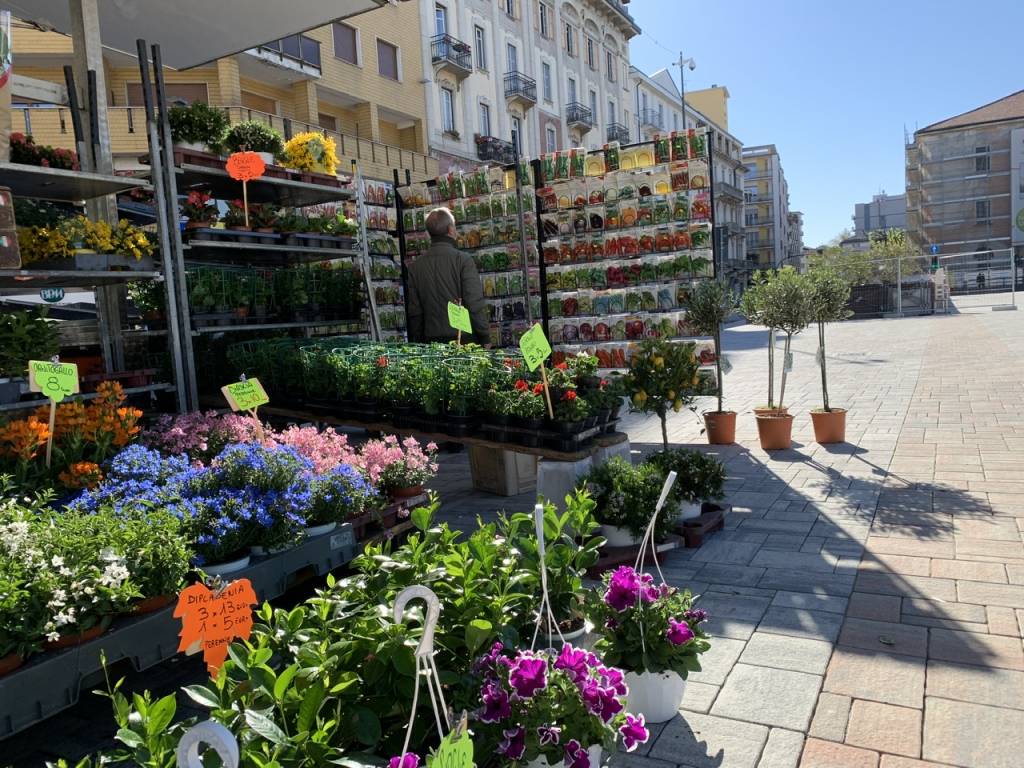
384	256
495	215
626	234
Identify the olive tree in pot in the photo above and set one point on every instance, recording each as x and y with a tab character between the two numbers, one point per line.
829	294
711	303
752	307
785	304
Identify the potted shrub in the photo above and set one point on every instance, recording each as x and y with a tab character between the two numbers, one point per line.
197	127
626	496
528	410
399	467
785	304
24	335
653	634
254	136
829	296
235	221
149	298
200	209
311	151
752	306
699	478
339	494
711	303
662	376
571	412
263	218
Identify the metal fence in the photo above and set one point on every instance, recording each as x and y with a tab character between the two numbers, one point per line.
981	278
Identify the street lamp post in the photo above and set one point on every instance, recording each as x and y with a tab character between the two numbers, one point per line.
683	64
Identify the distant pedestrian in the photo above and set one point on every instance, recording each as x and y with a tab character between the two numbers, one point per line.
981	281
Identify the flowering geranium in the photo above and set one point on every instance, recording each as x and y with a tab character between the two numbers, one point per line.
391	463
556	706
326	449
647	627
199	207
202	435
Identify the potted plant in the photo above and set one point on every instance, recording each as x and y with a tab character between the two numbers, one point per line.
752	306
626	496
200	209
263	218
662	376
398	467
652	633
829	296
711	303
784	304
234	220
311	151
197	127
499	405
699	478
335	496
571	412
545	708
149	298
24	335
528	410
255	136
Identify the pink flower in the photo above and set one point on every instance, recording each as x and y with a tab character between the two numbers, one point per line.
408	760
576	755
513	745
528	675
634	732
678	633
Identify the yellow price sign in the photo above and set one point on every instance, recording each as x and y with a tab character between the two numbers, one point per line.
534	346
458	317
55	380
245	395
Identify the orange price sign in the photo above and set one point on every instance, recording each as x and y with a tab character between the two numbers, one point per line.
211	620
245	166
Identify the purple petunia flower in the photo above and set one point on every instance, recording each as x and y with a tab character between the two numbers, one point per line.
634	732
408	760
627	588
513	745
576	756
549	734
696	615
600	700
496	703
678	632
575	662
528	674
487	663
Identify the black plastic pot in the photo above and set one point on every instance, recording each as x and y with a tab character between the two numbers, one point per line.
457	426
366	407
603	415
496	433
401	415
528	439
569	427
535	424
590	421
498	418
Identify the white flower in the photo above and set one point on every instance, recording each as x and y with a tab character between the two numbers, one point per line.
64	571
65	617
57	561
53	637
113	575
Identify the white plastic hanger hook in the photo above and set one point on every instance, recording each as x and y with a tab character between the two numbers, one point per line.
407	595
213	735
665	490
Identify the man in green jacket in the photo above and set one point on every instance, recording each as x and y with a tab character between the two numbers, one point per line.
443	274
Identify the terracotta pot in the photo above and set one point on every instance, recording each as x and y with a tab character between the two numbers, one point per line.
775	431
829	426
10	662
151	604
721	426
766	411
406	493
69	641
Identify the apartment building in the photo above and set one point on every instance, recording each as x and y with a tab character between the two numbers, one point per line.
360	80
882	213
657	107
795	242
965	191
766	195
544	74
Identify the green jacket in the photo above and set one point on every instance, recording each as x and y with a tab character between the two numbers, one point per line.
443	274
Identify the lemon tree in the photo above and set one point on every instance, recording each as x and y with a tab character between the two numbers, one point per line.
662	377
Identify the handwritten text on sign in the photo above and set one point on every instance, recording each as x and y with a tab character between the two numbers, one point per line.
245	166
453	752
245	395
210	621
55	380
534	346
458	318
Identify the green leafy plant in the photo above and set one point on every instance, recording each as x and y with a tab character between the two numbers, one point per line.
253	136
662	376
699	477
198	123
25	335
785	304
626	495
829	296
711	303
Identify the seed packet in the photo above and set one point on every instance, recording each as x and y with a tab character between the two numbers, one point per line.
577	193
612	246
596	247
554	279
421	219
649	301
602	332
549	225
570	332
628	246
616	276
595	164
634	328
601	304
529	225
501	287
444	186
662	149
627	186
486	233
595	217
648	273
698	144
525	172
533	285
527	200
666	327
581	250
598	278
586	303
565	251
612	215
550	249
547	167
565	226
488	286
619	330
662	210
561	165
586	332
645	212
616	303
663	240
682	294
680	147
628	214
646	242
595	190
555	331
679	176
681	207
515	283
611	156
579	222
666	268
667	297
682	238
569	279
633	301
703	263
700	207
577	163
408	220
611	189
700	235
532	256
582	277
570	305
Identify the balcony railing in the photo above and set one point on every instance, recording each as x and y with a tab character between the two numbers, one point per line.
618	132
491	148
519	86
578	115
445	49
724	189
651	118
297	52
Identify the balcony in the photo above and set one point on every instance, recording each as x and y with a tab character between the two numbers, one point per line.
726	190
618	132
449	54
734	229
298	53
491	148
520	89
652	120
579	116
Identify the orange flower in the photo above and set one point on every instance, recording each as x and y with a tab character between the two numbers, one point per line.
23	439
81	474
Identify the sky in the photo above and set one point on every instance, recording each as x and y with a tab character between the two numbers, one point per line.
833	84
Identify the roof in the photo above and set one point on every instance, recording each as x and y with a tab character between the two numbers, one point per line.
1007	108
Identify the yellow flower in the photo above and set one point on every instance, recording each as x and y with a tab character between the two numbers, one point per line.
311	151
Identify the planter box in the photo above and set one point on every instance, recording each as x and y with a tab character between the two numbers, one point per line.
97	262
695	530
502	472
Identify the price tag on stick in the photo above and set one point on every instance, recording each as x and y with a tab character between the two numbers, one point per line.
458	318
247	395
536	349
56	380
212	619
245	167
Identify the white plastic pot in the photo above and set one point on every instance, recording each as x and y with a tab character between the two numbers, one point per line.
689	510
266	157
261	551
221	569
619	537
555	641
320	530
594	753
656	695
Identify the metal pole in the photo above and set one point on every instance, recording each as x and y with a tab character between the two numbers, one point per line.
1013	277
899	286
364	256
162	228
682	88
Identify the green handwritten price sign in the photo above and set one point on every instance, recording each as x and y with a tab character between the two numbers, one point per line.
458	317
534	346
245	395
55	380
453	752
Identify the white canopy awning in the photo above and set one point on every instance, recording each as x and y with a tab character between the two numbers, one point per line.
194	32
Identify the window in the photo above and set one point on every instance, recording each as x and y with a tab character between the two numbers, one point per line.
517	134
593	106
346	43
572	90
545	15
749	195
675	121
751	219
643	103
570	40
481	48
661	115
611	111
545	80
259	103
610	66
512	54
981	162
510	8
330	122
440	20
485	120
982	211
591	53
448	110
387	60
552	140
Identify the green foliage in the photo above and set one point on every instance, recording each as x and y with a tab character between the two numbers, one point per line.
254	136
711	304
889	253
626	495
785	301
198	123
699	477
26	335
829	294
662	376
